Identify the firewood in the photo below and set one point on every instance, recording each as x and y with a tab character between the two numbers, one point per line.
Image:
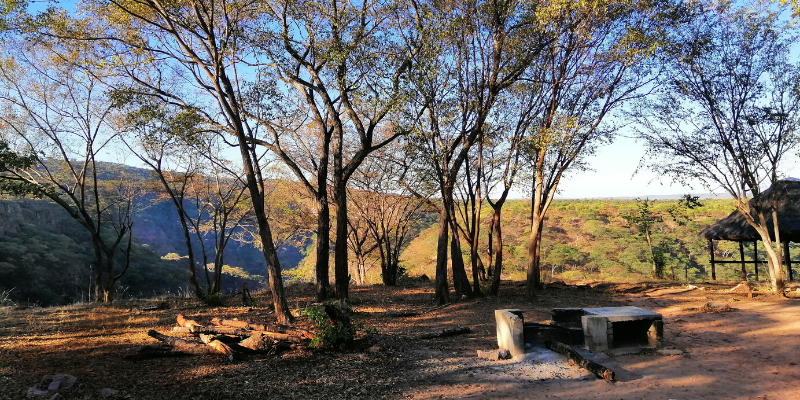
188	323
443	333
231	322
280	336
258	342
220	330
181	329
223	348
194	348
593	367
178	343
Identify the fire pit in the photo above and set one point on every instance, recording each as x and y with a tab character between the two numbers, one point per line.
597	329
621	327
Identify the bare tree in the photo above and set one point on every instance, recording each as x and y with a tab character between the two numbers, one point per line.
728	112
347	61
601	58
60	119
192	56
390	211
474	51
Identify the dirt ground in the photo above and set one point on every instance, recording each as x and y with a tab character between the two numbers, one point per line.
751	352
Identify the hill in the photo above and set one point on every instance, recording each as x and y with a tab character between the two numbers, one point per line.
591	240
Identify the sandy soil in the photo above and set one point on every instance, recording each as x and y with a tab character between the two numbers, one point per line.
749	353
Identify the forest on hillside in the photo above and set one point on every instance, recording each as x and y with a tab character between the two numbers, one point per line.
591	240
345	128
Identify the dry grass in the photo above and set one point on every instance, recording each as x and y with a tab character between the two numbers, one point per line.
92	341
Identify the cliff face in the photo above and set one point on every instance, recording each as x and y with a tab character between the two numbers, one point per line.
10	217
15	213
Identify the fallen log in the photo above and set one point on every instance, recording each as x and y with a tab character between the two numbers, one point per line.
187	323
229	330
178	343
593	367
219	329
443	333
231	322
223	348
283	329
258	342
194	348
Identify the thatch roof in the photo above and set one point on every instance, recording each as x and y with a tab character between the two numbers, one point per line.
784	195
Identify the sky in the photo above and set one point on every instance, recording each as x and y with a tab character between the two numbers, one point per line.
612	175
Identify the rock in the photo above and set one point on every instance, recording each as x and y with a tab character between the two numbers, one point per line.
716	307
67	381
670	352
494	355
744	287
34	392
105	393
374	349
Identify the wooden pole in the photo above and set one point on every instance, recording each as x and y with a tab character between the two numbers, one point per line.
755	257
741	257
788	260
713	267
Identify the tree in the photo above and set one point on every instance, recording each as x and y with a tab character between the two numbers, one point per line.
388	209
645	217
348	63
517	112
55	130
192	56
728	112
473	52
172	143
601	57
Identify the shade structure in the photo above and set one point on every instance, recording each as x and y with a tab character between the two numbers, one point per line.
784	195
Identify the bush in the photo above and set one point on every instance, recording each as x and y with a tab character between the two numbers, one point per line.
214	300
330	335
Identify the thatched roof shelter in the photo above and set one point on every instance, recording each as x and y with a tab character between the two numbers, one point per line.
785	196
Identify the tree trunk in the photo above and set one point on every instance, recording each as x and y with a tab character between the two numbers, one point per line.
460	281
652	254
340	266
533	281
322	268
498	246
442	290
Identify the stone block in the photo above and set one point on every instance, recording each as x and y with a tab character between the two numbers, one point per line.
567	315
595	332
510	330
655	335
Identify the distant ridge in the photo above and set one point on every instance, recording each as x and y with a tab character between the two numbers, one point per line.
653	197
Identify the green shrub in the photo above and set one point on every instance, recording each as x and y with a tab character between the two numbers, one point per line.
330	335
214	300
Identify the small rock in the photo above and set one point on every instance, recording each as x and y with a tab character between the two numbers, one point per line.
67	381
743	287
491	355
670	352
105	393
504	354
716	307
34	392
374	349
